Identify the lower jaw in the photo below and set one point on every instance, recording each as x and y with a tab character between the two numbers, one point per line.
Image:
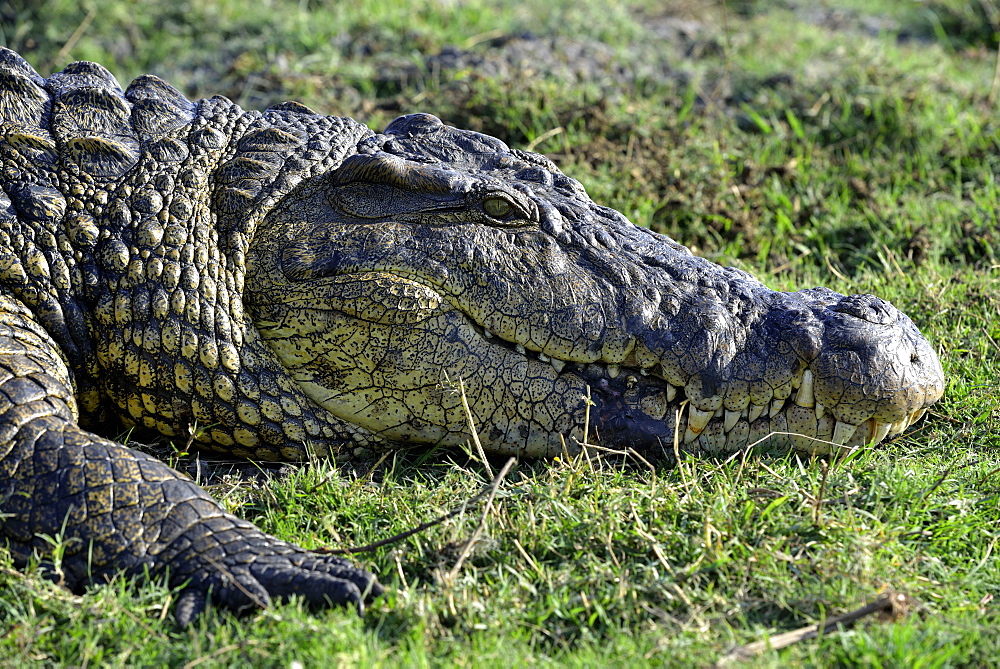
794	428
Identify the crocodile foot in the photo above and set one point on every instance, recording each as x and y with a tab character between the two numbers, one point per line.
236	566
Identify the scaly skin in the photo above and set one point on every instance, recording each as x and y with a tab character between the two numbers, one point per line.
289	284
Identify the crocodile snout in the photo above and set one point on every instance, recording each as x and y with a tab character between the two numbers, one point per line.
874	364
827	370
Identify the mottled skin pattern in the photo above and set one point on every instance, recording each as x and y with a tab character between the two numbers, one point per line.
285	284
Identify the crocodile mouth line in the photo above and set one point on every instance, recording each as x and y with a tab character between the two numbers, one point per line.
693	422
699	428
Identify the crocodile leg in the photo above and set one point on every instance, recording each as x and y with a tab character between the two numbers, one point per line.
117	510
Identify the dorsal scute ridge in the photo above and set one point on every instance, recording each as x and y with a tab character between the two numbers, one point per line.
84	73
158	108
11	61
92	120
274	153
25	105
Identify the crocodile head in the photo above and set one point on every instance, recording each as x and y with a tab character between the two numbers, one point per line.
437	259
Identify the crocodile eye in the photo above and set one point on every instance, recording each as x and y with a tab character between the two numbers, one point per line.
497	207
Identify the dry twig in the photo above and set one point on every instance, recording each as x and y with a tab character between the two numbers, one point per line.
890	606
482	520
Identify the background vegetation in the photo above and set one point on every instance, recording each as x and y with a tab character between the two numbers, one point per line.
851	144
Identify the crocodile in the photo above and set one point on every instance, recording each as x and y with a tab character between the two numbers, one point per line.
283	285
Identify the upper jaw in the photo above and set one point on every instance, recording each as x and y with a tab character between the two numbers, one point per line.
817	371
729	363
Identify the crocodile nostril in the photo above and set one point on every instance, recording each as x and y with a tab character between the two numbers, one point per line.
914	357
868	308
412	124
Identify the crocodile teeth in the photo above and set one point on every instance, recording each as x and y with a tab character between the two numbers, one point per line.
917	415
671	392
544	358
880	432
698	419
805	398
755	411
487	334
820	410
644	371
731	418
696	424
557	364
868	429
842	432
520	349
776	407
614	371
897	428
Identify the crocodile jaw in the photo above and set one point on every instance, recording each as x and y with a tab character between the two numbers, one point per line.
387	353
833	371
392	356
673	348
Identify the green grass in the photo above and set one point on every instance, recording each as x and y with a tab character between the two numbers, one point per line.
857	149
